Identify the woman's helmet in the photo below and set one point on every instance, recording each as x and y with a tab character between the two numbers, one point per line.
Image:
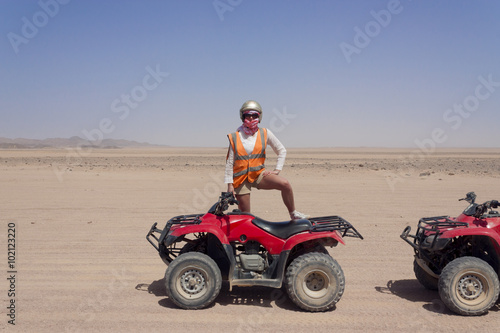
251	106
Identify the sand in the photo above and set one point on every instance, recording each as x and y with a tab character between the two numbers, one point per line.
82	262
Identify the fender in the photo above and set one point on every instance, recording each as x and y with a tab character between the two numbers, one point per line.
216	231
211	230
472	232
307	236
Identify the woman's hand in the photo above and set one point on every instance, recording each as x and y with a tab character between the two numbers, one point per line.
267	173
230	188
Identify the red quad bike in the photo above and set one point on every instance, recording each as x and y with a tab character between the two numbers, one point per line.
460	256
203	249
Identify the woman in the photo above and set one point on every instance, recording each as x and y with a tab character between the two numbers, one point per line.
246	157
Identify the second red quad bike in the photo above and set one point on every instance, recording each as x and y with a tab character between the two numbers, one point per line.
201	250
460	256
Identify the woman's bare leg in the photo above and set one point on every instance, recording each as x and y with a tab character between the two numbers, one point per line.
275	182
243	202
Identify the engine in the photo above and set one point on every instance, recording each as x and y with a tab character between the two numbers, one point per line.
252	257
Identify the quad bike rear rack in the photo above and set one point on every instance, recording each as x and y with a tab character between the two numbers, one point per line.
334	223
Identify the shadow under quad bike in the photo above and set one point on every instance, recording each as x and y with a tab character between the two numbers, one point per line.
203	249
460	256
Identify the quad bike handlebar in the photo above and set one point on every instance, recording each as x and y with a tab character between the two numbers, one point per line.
469	197
225	199
480	209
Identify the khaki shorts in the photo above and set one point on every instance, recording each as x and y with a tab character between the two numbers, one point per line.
246	187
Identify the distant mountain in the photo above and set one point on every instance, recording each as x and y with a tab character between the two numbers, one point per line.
75	141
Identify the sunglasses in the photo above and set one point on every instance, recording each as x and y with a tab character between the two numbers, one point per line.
253	116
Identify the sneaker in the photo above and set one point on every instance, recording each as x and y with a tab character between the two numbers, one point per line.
295	215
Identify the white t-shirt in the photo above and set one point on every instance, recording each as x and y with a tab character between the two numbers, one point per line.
248	142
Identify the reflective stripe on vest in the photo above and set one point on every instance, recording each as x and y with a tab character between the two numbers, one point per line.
248	166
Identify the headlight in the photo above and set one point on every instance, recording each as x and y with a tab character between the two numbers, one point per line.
433	242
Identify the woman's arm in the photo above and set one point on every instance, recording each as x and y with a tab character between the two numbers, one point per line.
228	175
278	148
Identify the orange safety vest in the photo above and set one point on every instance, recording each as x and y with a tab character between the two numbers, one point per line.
248	166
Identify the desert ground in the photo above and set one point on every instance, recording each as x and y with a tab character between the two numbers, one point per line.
83	264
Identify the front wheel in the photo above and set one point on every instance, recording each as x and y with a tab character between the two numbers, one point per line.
425	279
315	282
469	286
193	280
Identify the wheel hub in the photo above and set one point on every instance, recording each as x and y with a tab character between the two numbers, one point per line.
315	282
470	287
192	282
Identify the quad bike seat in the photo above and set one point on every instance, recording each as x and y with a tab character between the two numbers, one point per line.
284	229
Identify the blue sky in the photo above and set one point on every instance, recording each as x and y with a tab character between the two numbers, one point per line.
408	73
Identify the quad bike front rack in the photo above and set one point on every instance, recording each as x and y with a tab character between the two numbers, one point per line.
429	226
181	219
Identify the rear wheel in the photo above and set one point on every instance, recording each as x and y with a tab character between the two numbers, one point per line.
193	280
315	282
425	279
469	286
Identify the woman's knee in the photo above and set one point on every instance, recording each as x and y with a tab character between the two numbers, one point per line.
274	182
285	184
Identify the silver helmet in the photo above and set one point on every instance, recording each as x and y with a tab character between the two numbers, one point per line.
251	106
